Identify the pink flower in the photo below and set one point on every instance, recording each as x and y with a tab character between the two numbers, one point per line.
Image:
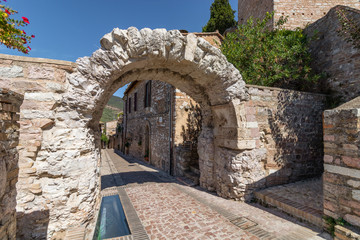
26	20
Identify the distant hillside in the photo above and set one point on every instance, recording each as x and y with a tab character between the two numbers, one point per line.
112	109
116	102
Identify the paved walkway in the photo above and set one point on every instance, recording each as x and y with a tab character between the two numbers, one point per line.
168	209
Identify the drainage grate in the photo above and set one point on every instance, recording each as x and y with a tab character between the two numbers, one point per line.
243	223
252	227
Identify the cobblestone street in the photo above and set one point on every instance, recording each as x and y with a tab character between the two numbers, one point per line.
169	209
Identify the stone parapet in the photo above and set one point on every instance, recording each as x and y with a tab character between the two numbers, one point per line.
342	162
9	138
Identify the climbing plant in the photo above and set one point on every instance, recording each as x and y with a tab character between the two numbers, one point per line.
221	17
11	33
270	57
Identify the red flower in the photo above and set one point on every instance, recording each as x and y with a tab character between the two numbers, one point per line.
7	11
26	20
29	47
24	32
24	40
32	36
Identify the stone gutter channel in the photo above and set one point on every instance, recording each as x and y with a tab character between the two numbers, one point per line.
136	228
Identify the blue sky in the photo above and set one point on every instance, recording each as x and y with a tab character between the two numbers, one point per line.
69	29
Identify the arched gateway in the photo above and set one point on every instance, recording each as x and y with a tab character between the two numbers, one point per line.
66	164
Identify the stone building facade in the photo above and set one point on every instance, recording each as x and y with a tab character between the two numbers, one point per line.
147	122
157	128
300	12
9	167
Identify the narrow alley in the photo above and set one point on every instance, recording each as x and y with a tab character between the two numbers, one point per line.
159	206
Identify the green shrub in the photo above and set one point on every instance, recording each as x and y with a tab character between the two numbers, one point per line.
278	58
104	138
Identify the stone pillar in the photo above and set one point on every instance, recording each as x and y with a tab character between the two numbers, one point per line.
342	162
238	163
9	137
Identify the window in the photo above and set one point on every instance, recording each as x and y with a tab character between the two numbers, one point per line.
126	106
147	98
135	102
129	105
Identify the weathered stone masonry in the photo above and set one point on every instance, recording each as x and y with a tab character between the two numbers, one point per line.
280	136
9	138
333	55
147	128
342	162
299	12
57	178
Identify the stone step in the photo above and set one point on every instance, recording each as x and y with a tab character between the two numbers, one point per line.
295	209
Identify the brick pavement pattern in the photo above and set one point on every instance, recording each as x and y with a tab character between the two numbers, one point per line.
168	213
170	210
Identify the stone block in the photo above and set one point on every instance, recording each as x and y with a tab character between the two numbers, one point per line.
352	219
11	72
356	195
40	72
351	162
353	183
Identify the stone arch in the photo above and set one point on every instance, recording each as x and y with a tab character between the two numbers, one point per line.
188	63
70	148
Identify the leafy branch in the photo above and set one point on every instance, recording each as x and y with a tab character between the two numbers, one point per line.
11	34
278	58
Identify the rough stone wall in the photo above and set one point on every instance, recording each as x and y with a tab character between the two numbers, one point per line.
57	153
186	130
288	124
336	57
341	177
280	138
9	138
300	12
156	117
253	8
304	12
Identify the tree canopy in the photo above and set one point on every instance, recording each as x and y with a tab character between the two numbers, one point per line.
221	17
